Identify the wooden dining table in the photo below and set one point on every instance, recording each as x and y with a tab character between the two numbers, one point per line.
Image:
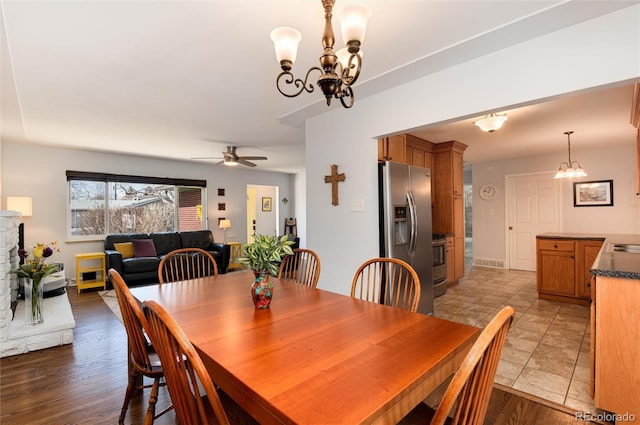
314	356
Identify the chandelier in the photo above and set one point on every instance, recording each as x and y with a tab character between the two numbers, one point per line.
569	168
491	122
339	70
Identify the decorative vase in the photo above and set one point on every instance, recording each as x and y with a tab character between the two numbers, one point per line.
261	290
33	294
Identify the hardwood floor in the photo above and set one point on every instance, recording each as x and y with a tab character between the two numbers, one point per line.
84	383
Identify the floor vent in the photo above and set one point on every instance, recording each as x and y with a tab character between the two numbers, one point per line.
487	262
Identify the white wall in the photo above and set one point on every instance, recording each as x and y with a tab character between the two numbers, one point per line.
595	53
617	163
39	172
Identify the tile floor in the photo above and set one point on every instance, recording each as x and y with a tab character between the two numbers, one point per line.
546	352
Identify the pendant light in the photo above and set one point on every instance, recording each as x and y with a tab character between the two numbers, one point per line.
570	168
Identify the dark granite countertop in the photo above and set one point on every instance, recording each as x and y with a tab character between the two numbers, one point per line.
608	263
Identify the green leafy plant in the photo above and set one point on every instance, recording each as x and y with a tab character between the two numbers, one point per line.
265	253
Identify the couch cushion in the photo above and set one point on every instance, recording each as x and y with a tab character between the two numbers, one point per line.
125	249
197	239
165	242
144	248
140	265
109	240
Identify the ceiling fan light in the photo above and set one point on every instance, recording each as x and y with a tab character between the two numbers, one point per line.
230	162
285	40
491	123
353	19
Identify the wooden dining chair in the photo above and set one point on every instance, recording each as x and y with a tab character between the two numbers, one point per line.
186	263
388	281
143	361
302	267
186	375
469	391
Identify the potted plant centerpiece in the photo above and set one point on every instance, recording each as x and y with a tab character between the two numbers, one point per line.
263	256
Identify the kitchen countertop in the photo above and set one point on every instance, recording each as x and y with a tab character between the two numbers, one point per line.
608	263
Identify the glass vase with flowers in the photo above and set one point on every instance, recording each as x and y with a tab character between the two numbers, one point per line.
34	269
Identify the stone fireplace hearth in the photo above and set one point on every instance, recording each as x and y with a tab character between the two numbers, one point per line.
16	337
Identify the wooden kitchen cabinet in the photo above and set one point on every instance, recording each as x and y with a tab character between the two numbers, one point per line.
448	198
587	252
451	259
393	148
562	268
616	355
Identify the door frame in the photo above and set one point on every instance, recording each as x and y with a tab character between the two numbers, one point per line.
508	194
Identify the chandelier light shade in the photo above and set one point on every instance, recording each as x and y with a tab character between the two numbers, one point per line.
570	169
491	122
337	75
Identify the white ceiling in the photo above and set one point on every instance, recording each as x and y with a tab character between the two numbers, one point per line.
182	79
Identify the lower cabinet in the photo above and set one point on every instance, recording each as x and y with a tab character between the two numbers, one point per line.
451	260
563	268
615	346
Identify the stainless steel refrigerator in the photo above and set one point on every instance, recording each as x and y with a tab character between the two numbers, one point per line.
405	222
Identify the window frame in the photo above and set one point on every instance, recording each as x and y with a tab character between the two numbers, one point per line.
108	179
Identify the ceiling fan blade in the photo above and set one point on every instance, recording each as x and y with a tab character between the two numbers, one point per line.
247	163
206	157
253	158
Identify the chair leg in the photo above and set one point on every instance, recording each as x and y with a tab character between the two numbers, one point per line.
131	388
153	398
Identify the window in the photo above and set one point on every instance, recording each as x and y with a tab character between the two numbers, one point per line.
102	204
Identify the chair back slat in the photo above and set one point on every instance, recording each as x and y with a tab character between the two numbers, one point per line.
469	392
387	281
302	267
134	322
183	369
186	263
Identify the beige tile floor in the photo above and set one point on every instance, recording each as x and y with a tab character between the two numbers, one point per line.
547	349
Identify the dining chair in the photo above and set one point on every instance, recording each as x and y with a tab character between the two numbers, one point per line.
470	389
186	263
192	391
302	267
387	281
143	361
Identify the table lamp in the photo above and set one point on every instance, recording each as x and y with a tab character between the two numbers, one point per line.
23	205
224	225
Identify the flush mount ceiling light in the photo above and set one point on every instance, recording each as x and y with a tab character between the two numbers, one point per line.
338	71
569	168
491	122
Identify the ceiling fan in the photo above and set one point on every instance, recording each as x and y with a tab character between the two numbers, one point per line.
231	158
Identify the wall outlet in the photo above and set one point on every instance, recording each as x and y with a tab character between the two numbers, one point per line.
357	205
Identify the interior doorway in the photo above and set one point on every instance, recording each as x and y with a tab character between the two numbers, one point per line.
263	213
533	207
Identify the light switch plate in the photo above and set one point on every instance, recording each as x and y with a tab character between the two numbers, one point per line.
357	205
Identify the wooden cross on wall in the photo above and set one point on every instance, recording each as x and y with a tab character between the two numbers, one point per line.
334	178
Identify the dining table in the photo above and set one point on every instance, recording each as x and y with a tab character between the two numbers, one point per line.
313	356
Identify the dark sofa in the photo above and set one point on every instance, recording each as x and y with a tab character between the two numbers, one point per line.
138	270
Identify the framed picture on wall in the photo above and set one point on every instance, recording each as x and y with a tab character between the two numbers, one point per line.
266	203
593	194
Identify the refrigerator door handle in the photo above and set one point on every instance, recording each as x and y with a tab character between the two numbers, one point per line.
414	222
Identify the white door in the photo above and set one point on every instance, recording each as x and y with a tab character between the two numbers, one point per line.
533	202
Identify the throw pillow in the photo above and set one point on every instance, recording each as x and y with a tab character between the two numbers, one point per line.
125	249
144	248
